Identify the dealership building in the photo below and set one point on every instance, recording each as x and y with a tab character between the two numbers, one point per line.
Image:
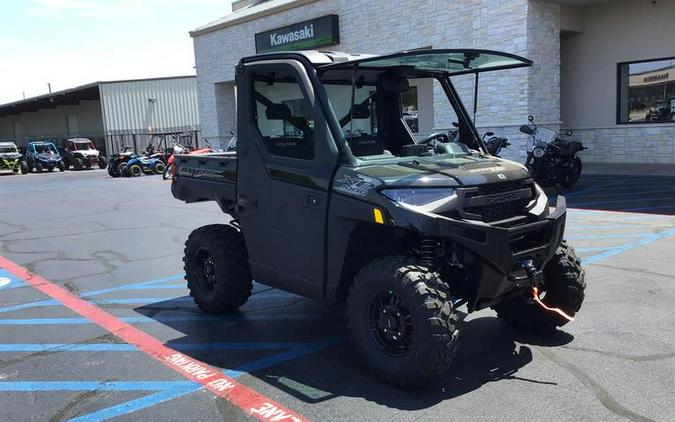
604	69
113	114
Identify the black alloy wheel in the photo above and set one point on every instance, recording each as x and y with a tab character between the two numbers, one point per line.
390	323
206	276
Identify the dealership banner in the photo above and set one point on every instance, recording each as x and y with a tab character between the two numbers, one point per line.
306	35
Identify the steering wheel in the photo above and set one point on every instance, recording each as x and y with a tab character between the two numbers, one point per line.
441	136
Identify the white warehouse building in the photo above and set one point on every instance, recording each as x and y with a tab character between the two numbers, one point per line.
604	69
113	114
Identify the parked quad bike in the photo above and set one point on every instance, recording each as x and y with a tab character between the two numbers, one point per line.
118	162
81	153
10	159
137	166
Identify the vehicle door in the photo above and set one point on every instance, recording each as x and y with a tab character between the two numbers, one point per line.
286	159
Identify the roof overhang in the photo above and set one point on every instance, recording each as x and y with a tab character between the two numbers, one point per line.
70	96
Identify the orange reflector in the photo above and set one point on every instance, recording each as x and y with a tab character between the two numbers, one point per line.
379	219
535	296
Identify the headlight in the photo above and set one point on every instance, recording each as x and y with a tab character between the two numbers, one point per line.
417	197
538	152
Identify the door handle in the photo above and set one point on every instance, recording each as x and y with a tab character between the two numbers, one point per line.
243	202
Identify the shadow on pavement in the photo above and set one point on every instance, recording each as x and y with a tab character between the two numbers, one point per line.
621	193
488	353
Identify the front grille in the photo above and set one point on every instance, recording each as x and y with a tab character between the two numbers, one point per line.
497	202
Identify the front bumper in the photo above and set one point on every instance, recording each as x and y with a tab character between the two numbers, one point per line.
498	252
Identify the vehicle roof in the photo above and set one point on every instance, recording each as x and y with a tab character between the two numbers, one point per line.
7	144
472	58
41	143
79	140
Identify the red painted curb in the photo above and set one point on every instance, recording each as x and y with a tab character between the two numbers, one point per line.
245	398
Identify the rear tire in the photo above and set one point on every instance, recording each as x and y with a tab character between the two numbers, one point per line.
24	167
61	165
38	167
564	285
217	269
402	322
159	168
574	173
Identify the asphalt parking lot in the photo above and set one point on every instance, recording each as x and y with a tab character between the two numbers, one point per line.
117	244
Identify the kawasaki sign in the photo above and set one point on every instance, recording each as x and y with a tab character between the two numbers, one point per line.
305	35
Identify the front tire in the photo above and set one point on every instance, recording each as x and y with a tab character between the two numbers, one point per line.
38	167
102	162
564	286
217	269
169	171
24	167
135	170
61	165
402	322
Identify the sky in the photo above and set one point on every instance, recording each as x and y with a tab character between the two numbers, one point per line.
73	42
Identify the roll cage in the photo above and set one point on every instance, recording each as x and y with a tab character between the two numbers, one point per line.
440	64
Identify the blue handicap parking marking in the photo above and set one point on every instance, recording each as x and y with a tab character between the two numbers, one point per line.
9	281
160	391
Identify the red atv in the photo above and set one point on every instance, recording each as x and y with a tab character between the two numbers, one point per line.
178	149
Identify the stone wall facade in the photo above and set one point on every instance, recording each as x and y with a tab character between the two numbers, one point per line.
530	28
378	27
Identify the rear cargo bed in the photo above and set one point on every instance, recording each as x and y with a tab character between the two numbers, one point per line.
206	177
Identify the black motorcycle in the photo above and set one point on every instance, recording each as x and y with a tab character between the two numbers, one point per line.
551	160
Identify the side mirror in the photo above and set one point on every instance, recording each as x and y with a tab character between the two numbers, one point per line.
489	134
530	118
526	130
569	133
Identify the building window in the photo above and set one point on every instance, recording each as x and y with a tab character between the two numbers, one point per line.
647	91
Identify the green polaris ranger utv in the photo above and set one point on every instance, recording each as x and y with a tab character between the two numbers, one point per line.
10	159
333	197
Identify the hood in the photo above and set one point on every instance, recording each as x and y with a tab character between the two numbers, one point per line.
435	171
49	157
87	152
10	155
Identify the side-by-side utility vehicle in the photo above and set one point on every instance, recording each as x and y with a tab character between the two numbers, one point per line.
333	197
10	159
43	155
81	153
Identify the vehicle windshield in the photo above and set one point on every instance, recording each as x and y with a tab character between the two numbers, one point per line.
83	146
45	149
8	149
395	112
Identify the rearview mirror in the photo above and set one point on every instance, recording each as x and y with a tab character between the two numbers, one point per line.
278	112
455	124
360	111
489	133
